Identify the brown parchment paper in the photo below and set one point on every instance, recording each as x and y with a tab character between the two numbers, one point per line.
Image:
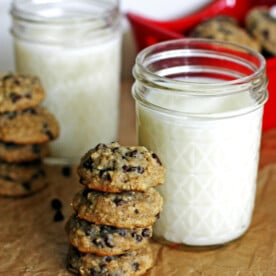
31	243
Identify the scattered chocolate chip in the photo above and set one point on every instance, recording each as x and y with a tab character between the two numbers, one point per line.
104	175
119	201
28	95
49	134
109	241
132	153
85	192
36	148
58	216
158	216
121	232
154	155
138	169
265	34
16	82
56	204
108	259
10	115
136	211
32	111
135	266
27	185
100	146
15	97
88	163
98	242
66	171
146	233
137	237
92	272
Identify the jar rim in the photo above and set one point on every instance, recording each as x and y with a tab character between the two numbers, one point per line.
180	85
64	11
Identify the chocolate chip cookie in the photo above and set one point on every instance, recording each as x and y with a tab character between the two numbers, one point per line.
105	240
129	264
122	210
19	92
224	28
114	168
10	152
29	126
262	26
21	179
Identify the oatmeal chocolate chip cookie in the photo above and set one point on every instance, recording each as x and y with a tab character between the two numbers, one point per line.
30	126
105	240
10	152
21	179
226	29
19	92
122	210
262	26
114	168
129	264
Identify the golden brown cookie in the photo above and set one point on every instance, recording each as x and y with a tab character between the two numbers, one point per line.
262	26
122	210
114	168
129	264
224	28
19	92
21	179
10	152
29	126
105	240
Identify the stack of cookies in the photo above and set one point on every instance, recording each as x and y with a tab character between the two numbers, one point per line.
112	225
25	131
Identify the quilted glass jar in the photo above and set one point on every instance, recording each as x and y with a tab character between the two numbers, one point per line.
199	106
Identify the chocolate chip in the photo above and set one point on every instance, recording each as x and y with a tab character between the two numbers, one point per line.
16	82
154	155
137	237
158	216
66	171
265	34
56	204
32	111
119	201
15	97
49	134
36	148
104	175
108	259
101	146
98	242
136	211
109	241
138	169
146	233
88	163
10	115
121	232
92	272
27	185
135	266
132	153
58	216
85	192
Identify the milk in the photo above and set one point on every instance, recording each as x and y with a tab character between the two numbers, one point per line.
211	165
82	85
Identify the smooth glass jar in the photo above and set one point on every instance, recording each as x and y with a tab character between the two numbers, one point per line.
75	48
199	106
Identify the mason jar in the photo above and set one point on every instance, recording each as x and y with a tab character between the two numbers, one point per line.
199	106
75	49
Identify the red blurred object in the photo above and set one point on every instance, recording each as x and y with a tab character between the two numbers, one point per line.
148	31
270	107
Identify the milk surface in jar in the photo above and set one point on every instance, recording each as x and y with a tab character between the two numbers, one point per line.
75	48
204	121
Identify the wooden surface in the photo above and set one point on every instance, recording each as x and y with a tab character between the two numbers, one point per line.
33	244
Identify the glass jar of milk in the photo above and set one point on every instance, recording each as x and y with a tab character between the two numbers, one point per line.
199	106
74	46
